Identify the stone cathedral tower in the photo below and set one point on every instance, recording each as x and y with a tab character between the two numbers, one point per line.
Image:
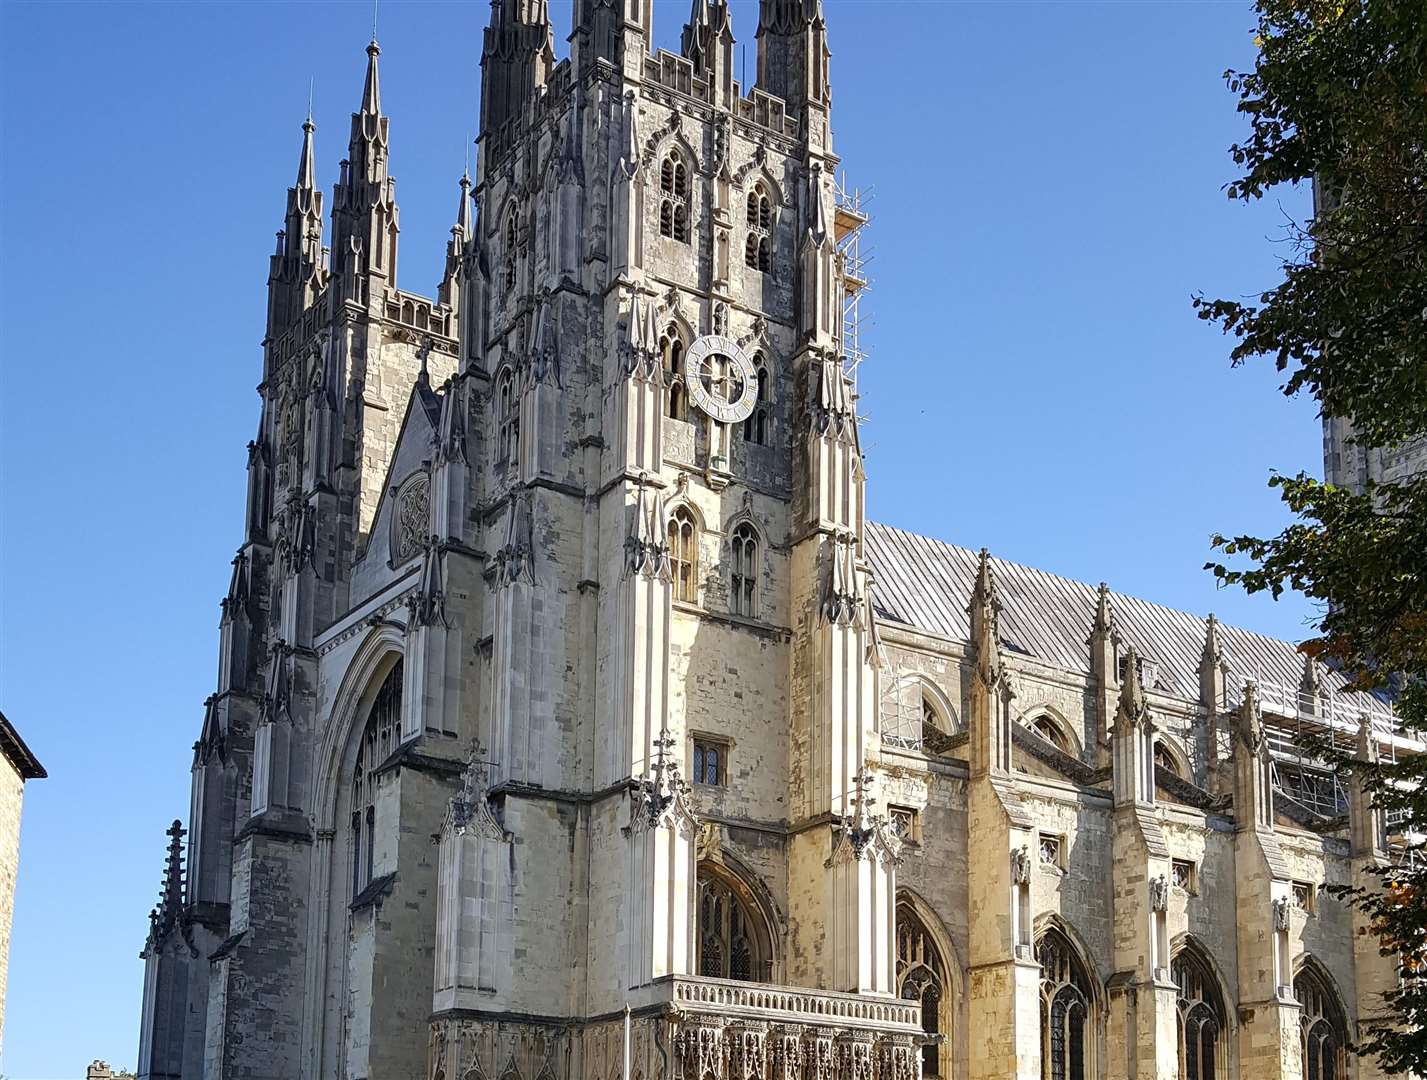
560	733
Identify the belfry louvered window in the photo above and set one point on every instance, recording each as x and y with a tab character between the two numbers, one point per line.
1065	1009
757	247
379	740
674	198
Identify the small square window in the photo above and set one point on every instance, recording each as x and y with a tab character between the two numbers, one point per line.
1051	850
1305	896
710	762
905	823
1183	874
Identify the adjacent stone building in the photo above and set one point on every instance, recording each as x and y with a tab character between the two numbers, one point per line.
572	722
17	765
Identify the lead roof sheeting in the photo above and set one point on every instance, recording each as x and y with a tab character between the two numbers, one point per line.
927	584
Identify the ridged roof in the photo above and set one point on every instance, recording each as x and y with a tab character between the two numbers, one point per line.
926	584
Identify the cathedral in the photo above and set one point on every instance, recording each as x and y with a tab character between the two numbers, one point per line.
573	723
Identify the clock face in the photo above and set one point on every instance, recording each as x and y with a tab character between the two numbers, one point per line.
722	379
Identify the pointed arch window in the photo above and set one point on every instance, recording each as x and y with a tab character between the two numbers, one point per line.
743	584
1201	1019
512	252
1066	1029
921	977
1164	758
757	428
671	349
734	942
1324	1029
1047	728
684	555
507	419
674	198
757	248
379	741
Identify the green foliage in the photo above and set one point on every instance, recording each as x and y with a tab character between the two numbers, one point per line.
1338	96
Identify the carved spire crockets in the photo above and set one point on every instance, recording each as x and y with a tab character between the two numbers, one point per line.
646	547
457	270
470	809
1132	740
168	913
707	41
640	348
793	54
516	59
1104	644
991	695
1253	778
842	596
365	219
1365	820
515	559
427	606
297	274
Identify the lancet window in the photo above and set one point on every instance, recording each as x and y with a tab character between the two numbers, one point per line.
507	418
1202	1020
674	198
1066	1002
921	977
743	583
671	349
757	248
684	555
512	252
1324	1029
733	938
757	428
379	740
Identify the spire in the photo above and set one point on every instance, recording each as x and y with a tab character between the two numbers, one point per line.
985	612
1253	778
306	175
372	89
1213	651
1104	643
1310	687
516	60
463	209
793	54
707	35
1104	624
1133	707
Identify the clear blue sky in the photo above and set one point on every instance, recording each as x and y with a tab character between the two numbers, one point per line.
1048	196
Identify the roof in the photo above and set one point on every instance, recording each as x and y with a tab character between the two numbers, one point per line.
20	755
926	584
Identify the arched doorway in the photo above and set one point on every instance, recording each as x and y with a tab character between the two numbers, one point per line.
922	977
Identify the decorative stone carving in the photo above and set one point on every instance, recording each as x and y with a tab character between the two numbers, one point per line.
1159	894
1021	866
1282	913
410	523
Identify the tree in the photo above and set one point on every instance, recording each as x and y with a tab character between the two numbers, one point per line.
1338	98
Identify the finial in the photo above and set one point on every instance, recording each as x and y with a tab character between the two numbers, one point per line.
1132	691
1104	625
371	89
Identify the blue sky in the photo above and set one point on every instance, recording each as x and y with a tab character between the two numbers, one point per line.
1047	197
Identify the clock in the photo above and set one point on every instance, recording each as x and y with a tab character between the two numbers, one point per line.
722	380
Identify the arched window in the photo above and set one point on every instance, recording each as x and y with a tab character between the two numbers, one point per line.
1165	759
1047	728
734	942
743	584
1201	1019
512	252
1324	1028
921	977
674	198
757	249
379	741
757	428
1066	1030
684	555
507	419
671	348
